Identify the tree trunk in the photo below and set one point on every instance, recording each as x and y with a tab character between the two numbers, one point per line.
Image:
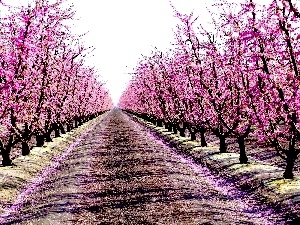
193	135
175	128
25	148
6	161
166	125
159	123
288	173
223	147
62	129
182	132
48	136
56	130
170	127
39	140
68	127
243	156
80	122
154	121
290	161
146	117
203	141
71	125
76	123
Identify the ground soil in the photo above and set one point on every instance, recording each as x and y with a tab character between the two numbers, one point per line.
120	173
261	177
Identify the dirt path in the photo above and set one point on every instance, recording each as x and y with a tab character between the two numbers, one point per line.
119	174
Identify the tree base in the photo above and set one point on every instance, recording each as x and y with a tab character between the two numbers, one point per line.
25	149
288	175
7	162
243	160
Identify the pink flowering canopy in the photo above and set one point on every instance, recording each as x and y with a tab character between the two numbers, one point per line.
44	81
243	77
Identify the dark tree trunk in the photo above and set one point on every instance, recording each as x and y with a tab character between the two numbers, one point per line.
243	156
166	125
68	127
5	152
193	135
6	161
170	127
80	121
154	121
56	130
175	128
290	162
71	125
146	117
56	133
39	140
159	123
203	141
62	129
182	132
25	148
48	136
76	123
223	147
193	132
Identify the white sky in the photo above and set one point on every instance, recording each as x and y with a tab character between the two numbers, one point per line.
123	30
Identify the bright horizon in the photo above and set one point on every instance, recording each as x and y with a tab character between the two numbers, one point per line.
124	30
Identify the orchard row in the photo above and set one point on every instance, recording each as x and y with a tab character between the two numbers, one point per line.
240	78
45	85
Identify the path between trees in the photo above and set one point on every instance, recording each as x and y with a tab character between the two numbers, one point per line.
119	174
